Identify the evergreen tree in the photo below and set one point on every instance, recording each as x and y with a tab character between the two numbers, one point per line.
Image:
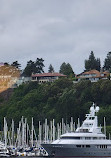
29	69
66	69
6	64
98	64
51	69
63	68
34	67
107	62
39	65
16	64
92	63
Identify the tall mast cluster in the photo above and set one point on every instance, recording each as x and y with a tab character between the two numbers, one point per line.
26	135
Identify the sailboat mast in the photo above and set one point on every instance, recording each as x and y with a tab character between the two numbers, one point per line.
32	131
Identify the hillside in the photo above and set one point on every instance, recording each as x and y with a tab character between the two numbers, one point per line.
5	95
61	99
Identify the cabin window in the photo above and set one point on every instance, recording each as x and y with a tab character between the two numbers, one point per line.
88	124
101	146
91	118
83	146
84	130
88	138
87	146
70	137
101	138
78	146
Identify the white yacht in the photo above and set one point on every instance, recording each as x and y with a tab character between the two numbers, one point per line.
86	141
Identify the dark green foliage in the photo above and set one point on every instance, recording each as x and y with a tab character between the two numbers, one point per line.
16	64
66	69
98	64
6	64
60	99
92	63
107	62
34	67
39	65
51	69
1	99
29	69
63	83
102	92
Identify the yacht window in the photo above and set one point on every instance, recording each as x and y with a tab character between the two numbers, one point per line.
70	137
78	146
88	124
84	130
109	146
101	146
91	118
83	146
87	137
87	146
101	138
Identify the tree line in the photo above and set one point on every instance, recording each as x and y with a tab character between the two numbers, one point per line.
37	66
93	63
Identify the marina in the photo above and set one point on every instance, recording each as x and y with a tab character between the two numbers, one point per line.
25	141
58	140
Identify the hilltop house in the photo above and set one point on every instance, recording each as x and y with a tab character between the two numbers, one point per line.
46	77
93	75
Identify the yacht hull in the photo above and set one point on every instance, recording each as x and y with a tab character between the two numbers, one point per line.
70	150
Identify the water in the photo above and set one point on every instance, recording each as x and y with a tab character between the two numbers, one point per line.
40	157
31	157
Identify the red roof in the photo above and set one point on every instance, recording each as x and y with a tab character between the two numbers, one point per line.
91	72
96	72
48	75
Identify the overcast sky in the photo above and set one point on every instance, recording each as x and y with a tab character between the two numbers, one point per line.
56	30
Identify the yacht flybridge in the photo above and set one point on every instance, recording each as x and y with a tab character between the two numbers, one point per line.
86	141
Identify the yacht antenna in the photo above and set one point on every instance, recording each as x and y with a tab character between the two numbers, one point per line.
78	123
104	126
109	136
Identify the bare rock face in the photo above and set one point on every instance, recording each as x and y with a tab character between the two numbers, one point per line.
8	76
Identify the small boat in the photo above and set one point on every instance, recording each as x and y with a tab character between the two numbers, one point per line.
4	152
87	141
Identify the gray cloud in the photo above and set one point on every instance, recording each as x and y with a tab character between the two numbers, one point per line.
56	30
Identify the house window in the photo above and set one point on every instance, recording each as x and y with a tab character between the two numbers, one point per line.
93	74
